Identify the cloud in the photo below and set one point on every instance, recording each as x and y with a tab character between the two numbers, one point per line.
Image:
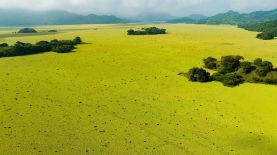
133	7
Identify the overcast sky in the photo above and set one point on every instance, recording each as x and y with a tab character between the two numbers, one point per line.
133	7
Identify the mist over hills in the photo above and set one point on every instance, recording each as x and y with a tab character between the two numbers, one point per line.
10	17
153	17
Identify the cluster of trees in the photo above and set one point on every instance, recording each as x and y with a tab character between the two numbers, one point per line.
268	29
27	30
20	48
232	71
147	31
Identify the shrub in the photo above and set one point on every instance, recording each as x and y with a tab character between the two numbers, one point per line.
210	63
258	61
217	77
155	30
131	32
229	64
232	80
77	40
264	68
63	48
247	67
44	46
4	45
265	36
270	81
27	30
266	65
198	75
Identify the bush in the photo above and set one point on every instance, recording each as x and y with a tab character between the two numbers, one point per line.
266	65
264	68
198	75
4	45
63	48
77	40
265	36
247	67
138	32
44	46
217	77
270	81
27	30
258	62
229	64
232	80
210	63
154	30
131	32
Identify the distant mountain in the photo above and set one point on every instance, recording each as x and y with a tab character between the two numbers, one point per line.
197	16
54	17
190	19
230	17
182	20
234	18
154	17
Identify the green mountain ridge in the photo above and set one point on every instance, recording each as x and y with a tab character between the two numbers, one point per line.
232	17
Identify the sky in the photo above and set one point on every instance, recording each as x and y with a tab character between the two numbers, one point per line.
130	8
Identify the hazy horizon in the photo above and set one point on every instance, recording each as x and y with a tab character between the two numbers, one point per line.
127	8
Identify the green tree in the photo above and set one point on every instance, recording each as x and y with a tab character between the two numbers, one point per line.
264	68
63	48
210	63
198	75
77	40
265	36
258	61
44	46
232	80
247	67
229	64
4	45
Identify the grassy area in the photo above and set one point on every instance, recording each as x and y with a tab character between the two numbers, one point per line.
121	95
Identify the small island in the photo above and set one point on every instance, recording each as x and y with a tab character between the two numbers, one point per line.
232	71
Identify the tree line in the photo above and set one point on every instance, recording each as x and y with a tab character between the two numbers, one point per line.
147	31
232	71
20	48
268	30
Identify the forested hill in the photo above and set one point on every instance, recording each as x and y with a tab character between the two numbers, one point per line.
261	26
268	29
54	17
233	18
